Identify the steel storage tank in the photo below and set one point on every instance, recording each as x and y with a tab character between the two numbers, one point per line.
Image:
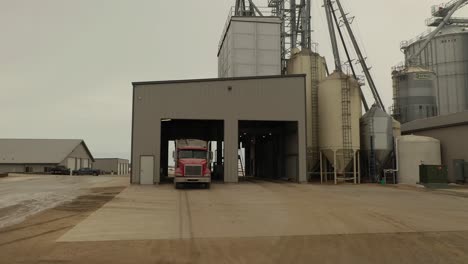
413	90
313	65
339	114
376	140
447	56
414	151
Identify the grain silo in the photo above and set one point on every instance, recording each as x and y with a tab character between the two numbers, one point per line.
339	113
413	94
376	141
447	56
313	65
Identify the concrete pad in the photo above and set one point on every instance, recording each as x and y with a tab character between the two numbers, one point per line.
268	209
22	196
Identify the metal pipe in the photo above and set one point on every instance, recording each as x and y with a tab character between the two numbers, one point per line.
334	167
251	3
321	170
363	98
308	24
331	31
412	59
361	57
359	166
293	37
354	167
396	155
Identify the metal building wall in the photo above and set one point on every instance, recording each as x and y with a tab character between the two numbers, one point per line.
450	130
117	166
20	168
273	98
447	56
250	46
79	153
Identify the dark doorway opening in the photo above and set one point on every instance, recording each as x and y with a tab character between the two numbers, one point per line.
207	130
269	149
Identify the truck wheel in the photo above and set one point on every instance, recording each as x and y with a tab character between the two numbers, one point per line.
208	185
177	185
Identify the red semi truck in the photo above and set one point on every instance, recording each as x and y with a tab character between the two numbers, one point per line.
192	159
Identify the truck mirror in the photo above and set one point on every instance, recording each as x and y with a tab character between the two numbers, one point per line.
211	155
173	155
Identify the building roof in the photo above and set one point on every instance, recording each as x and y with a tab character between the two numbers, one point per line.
119	159
244	78
38	151
450	120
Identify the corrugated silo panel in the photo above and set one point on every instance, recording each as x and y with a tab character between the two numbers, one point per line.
251	47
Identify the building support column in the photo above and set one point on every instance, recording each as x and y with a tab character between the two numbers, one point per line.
231	143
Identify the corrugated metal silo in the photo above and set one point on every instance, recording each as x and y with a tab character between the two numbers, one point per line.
339	114
376	140
313	65
447	56
413	90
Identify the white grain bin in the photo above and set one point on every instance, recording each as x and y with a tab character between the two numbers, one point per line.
414	151
313	65
339	115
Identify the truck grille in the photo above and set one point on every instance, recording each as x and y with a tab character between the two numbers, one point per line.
193	170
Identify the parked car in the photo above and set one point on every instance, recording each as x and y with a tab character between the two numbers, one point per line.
87	171
60	170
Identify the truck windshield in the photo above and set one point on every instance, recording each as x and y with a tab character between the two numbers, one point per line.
192	154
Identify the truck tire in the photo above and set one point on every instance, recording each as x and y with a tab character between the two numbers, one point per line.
177	185
208	185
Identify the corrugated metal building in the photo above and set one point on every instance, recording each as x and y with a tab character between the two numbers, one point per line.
451	130
250	46
112	165
265	114
39	155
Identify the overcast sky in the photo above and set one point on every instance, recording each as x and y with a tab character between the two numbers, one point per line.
66	67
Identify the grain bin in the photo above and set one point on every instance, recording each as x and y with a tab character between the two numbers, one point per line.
376	141
313	65
413	151
414	94
339	113
447	56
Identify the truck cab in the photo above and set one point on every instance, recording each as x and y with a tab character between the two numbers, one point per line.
192	160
